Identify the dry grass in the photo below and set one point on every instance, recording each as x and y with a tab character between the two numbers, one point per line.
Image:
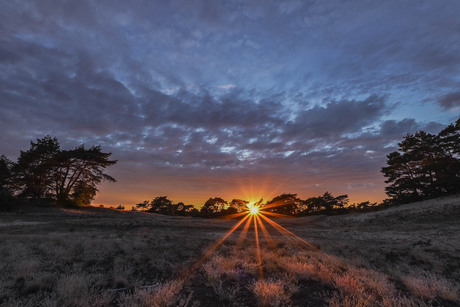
271	293
405	256
425	285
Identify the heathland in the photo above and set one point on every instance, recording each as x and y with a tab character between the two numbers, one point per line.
406	255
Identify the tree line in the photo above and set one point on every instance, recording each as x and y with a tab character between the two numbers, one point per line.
47	173
286	204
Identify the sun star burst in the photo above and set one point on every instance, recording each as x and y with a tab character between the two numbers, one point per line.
254	210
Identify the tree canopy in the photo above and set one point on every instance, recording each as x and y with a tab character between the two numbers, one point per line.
424	166
47	171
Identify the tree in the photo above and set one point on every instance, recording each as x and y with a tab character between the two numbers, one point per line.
83	193
46	171
80	166
424	165
213	206
179	208
313	204
401	177
32	172
6	195
143	205
5	172
326	203
161	204
340	201
363	206
285	203
449	139
238	204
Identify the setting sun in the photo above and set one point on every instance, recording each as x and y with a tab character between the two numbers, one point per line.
254	210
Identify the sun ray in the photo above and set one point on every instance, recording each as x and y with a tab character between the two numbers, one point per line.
275	204
211	250
243	234
282	230
253	189
268	238
235	215
259	256
279	230
276	214
257	217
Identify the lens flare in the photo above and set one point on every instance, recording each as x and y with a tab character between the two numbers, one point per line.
256	215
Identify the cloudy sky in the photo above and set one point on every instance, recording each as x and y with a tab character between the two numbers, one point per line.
229	98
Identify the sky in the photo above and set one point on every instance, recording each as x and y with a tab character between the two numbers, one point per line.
235	99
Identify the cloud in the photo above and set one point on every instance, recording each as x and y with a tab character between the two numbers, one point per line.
227	86
190	89
450	101
337	118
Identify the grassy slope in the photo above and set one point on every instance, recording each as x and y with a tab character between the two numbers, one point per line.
406	255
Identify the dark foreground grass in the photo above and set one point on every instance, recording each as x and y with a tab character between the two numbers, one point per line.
405	256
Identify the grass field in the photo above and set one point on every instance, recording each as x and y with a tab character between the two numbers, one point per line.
403	256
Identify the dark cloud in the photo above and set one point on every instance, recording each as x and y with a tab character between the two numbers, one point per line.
337	118
450	100
397	129
393	128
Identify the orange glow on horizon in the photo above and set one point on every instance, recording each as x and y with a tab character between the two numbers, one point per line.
250	187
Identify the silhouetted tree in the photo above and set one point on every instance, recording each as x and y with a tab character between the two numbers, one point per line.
238	204
285	203
213	206
46	171
33	171
83	193
179	208
5	172
229	210
424	165
80	165
143	205
447	168
162	205
326	203
6	195
363	206
313	204
182	209
190	210
449	139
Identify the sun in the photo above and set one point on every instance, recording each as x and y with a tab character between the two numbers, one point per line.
254	210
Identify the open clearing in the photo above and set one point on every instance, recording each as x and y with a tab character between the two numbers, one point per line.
403	256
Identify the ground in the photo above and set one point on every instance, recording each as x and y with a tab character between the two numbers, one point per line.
407	255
